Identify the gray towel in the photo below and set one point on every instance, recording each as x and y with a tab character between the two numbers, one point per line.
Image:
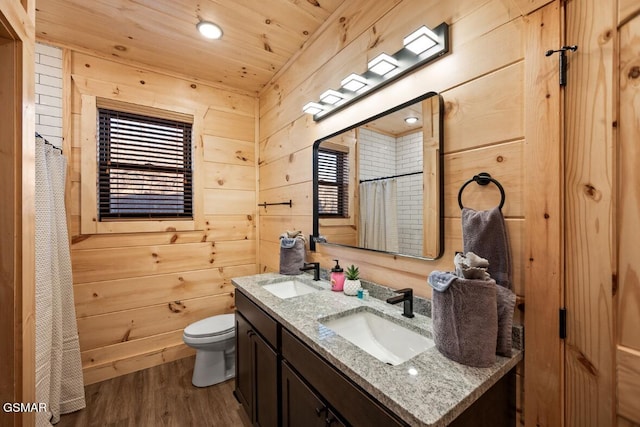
292	253
485	233
506	304
465	319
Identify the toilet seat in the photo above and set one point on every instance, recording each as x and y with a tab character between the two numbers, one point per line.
214	328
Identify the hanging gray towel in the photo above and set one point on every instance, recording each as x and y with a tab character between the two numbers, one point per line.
465	318
506	304
292	252
485	234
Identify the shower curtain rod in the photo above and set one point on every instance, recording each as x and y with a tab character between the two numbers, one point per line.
47	142
389	177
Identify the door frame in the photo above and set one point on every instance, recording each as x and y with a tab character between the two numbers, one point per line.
17	216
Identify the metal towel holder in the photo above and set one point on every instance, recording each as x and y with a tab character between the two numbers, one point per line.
483	178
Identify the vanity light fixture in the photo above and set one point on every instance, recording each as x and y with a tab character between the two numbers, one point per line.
382	64
411	120
331	97
353	82
313	108
420	47
420	40
209	30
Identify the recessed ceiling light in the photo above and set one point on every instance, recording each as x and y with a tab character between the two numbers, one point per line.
411	120
209	30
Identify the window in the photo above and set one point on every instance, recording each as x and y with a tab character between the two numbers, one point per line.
333	183
144	167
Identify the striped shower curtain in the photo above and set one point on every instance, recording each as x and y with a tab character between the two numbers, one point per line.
59	381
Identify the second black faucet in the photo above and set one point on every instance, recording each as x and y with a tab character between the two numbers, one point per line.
407	297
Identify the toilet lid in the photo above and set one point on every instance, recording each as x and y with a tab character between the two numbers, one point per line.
211	326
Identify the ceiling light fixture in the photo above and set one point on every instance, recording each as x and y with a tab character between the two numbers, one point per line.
411	120
382	64
313	108
420	47
420	40
331	97
353	82
209	30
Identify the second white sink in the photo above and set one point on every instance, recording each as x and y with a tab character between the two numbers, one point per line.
382	338
290	288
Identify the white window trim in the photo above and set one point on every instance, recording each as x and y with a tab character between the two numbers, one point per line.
89	223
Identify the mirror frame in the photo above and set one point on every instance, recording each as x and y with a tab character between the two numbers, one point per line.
439	178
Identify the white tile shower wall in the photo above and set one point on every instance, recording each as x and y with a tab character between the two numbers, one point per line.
410	189
382	155
377	155
49	93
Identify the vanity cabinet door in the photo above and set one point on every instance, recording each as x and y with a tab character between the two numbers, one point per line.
265	382
256	375
244	387
301	406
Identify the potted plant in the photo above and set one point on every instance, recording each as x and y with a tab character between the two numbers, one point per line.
352	280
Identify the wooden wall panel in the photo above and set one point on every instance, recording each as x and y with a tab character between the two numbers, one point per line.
543	258
136	290
589	208
482	81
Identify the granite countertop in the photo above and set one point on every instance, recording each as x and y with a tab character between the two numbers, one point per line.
427	390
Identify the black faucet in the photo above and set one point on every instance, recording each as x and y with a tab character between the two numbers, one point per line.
315	266
407	297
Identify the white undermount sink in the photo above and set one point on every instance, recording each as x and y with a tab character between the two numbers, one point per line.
382	338
290	288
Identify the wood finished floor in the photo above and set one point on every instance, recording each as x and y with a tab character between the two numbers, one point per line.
158	396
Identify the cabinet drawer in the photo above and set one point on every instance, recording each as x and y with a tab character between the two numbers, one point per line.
261	321
353	404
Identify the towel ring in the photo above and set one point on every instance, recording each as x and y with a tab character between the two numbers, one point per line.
482	178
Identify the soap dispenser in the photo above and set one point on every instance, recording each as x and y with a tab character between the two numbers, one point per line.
337	277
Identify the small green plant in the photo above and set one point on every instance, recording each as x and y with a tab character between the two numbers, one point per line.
352	273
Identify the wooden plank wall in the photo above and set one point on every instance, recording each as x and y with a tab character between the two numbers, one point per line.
135	292
628	212
482	81
17	216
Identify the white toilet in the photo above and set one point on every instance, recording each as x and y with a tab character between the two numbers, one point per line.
214	340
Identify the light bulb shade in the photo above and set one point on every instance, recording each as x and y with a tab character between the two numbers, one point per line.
209	30
331	97
312	108
411	120
420	40
353	82
382	64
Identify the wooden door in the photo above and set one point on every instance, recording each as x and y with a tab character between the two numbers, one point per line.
300	405
628	217
589	176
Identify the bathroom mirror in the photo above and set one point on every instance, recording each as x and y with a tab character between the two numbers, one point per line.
378	184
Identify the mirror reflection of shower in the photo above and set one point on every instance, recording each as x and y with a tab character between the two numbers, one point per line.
378	185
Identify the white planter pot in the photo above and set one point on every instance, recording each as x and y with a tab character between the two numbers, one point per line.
351	287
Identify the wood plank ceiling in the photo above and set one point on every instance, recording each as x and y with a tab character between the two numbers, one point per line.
260	36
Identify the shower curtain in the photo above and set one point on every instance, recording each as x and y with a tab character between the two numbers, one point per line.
59	381
379	215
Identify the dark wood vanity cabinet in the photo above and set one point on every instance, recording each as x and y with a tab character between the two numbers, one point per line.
301	406
282	381
256	373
